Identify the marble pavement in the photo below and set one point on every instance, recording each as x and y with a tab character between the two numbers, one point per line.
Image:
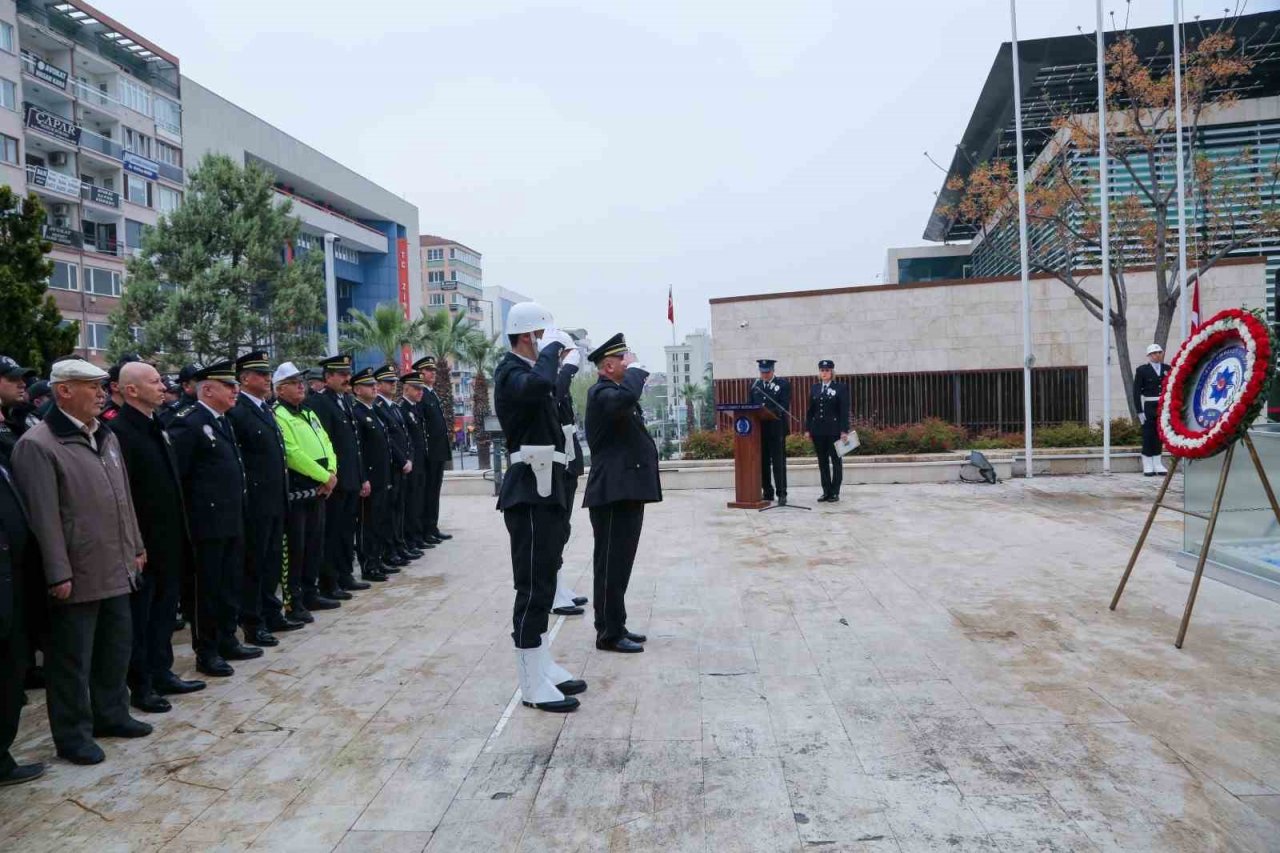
926	667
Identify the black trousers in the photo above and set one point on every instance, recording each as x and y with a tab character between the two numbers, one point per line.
375	527
154	607
219	576
341	520
86	664
1151	445
570	489
617	533
773	459
431	497
830	464
415	493
537	539
304	533
13	669
264	555
395	512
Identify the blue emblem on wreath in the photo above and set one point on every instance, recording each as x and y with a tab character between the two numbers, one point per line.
1218	386
742	426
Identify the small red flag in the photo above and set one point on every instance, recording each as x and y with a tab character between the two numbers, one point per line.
1195	305
671	307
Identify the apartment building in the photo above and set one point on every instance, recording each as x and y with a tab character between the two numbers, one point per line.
454	281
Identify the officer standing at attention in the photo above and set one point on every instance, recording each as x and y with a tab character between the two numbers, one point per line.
438	435
334	408
375	450
396	553
623	478
826	421
1148	379
415	492
774	393
214	485
187	381
532	499
262	449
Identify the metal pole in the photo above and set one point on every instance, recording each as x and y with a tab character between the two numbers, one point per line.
1182	188
1104	186
331	293
1027	358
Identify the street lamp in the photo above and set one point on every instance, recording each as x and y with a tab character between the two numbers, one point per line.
331	291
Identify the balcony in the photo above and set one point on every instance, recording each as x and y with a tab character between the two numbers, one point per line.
170	172
94	99
48	182
104	247
45	73
91	141
100	195
52	125
63	236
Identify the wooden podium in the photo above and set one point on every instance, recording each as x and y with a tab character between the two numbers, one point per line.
747	420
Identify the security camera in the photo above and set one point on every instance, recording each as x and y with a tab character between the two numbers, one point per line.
743	324
334	237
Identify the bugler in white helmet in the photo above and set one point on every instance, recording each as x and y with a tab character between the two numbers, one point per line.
1154	348
528	317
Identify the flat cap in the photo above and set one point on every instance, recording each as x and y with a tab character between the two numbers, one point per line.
75	370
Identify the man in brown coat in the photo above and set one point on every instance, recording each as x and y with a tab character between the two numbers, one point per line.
72	477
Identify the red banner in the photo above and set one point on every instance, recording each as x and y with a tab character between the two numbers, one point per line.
402	271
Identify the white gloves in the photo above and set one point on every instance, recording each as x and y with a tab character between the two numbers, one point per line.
1142	418
554	336
574	357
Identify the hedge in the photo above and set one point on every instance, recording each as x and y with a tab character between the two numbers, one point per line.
929	436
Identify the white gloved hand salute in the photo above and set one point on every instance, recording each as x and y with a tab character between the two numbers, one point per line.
549	337
574	357
630	361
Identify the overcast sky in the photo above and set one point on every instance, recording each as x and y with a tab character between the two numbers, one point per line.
597	152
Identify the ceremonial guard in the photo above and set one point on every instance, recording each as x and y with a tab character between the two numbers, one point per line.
334	408
623	478
532	498
213	482
375	450
313	475
774	393
415	492
438	440
263	452
567	602
396	553
826	422
1147	382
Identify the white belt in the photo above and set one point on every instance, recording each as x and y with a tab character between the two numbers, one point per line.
1151	399
541	459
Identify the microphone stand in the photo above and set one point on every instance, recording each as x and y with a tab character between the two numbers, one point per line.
787	412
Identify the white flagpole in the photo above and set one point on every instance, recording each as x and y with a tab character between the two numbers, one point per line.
1027	358
1104	186
1182	188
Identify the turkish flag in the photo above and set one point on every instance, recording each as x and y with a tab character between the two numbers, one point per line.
1195	306
671	307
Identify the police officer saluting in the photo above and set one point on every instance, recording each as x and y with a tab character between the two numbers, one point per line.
774	393
375	511
1148	379
826	421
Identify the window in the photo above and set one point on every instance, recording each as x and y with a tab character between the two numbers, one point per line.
10	153
6	37
97	335
137	189
435	298
135	96
306	241
686	359
167	200
65	276
168	116
435	276
101	282
345	253
8	94
137	142
435	254
133	234
168	154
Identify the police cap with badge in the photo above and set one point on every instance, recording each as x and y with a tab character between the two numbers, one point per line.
386	373
340	363
223	371
427	362
364	377
617	345
254	362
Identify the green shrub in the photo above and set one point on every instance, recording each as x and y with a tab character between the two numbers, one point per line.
709	444
1125	431
932	435
1068	435
799	444
992	440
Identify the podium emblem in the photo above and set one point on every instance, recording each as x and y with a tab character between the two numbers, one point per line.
742	425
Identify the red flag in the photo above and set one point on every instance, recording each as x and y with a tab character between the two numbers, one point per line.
671	307
1195	305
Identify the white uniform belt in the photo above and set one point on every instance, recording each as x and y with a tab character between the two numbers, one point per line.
517	457
542	461
1151	399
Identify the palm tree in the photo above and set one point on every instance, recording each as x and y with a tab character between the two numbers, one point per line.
690	392
444	334
482	353
385	330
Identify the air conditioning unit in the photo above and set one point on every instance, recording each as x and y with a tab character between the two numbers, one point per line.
62	210
58	158
61	222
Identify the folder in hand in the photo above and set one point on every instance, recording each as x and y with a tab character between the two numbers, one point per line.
846	446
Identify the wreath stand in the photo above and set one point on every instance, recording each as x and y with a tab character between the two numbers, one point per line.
1211	519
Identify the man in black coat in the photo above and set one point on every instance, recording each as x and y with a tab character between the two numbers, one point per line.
266	481
20	580
375	450
439	437
333	406
396	553
213	482
187	399
156	487
623	478
416	483
827	421
1148	379
774	393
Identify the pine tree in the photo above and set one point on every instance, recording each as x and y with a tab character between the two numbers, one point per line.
31	330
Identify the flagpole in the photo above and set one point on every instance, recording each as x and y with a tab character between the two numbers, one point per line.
1027	358
1182	189
1104	186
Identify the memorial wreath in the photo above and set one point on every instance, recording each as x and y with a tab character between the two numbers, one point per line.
1215	385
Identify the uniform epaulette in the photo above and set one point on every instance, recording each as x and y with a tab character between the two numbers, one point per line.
184	411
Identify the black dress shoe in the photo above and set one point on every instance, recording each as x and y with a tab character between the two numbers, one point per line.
388	570
393	561
258	637
579	600
319	602
352	585
239	651
768	498
442	536
411	554
298	613
283	624
172	685
432	541
150	702
562	706
572	687
22	773
782	500
833	499
34	679
635	638
338	594
214	666
622	645
179	622
129	728
568	611
89	753
374	576
824	499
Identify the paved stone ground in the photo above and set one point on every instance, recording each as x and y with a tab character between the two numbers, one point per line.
917	668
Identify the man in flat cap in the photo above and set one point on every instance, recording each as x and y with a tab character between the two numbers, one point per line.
1148	379
375	449
439	440
71	475
774	393
623	478
262	449
397	552
213	480
415	492
334	408
827	421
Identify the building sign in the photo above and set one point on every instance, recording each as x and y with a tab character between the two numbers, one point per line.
54	125
101	195
448	285
51	74
140	165
65	236
54	182
402	276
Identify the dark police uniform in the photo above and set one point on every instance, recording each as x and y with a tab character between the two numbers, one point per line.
774	395
525	403
415	492
623	478
21	599
438	444
1147	382
213	481
575	466
401	448
828	419
342	508
266	474
375	450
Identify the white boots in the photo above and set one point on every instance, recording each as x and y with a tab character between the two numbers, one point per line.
558	675
1153	466
536	688
567	602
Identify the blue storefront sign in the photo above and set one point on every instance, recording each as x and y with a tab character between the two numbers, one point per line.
140	165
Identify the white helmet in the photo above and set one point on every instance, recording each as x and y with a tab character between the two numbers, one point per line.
528	317
1154	348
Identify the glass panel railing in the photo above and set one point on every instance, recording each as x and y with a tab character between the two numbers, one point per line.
171	173
94	142
100	195
95	97
45	72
